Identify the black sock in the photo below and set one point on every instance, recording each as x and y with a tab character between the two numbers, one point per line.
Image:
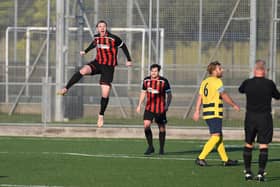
247	157
263	156
103	105
162	139
149	136
74	79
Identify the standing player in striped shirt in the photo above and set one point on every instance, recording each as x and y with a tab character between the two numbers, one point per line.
155	88
106	45
211	96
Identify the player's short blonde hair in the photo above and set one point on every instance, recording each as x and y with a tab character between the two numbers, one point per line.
212	66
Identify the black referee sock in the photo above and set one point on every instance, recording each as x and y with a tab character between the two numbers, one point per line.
74	79
103	105
162	139
247	157
263	156
149	136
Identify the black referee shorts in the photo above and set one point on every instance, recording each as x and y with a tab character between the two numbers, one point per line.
258	125
160	118
106	72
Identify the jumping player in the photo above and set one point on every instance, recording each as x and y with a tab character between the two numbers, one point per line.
106	45
155	87
211	96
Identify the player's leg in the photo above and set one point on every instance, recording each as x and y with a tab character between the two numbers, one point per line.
265	133
207	148
247	158
105	92
85	70
106	79
148	118
250	135
161	121
162	135
222	152
263	157
215	131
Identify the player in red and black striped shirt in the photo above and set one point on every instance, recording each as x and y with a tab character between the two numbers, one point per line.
106	45
155	88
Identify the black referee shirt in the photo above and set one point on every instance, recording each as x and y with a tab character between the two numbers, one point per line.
259	93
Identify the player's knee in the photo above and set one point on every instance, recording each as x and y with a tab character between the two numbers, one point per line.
263	146
249	145
147	124
216	138
161	128
216	134
85	70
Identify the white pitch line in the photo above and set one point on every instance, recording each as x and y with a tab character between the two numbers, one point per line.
121	156
128	156
111	156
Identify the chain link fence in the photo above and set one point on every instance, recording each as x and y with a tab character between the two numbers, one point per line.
183	36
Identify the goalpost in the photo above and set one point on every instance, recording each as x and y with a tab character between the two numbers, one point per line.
29	66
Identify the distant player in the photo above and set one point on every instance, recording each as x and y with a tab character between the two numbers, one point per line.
211	96
156	88
107	45
258	120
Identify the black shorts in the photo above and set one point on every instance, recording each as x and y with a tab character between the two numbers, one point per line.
160	118
106	72
215	125
260	125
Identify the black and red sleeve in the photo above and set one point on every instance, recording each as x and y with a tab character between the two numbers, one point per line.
91	46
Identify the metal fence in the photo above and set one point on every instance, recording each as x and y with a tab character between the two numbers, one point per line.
41	41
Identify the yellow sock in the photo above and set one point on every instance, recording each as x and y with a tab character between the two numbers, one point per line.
209	146
221	150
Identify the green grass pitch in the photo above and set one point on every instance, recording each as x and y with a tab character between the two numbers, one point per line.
86	162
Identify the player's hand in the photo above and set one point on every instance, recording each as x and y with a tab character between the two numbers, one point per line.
138	109
82	53
196	116
62	92
236	107
166	108
128	63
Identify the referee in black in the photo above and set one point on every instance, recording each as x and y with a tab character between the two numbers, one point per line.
258	120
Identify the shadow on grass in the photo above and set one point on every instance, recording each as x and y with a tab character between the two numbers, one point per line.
274	160
230	149
4	176
182	152
272	179
234	149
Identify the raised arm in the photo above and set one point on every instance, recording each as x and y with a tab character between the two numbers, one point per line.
90	47
126	52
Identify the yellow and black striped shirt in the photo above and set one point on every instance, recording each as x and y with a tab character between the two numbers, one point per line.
210	90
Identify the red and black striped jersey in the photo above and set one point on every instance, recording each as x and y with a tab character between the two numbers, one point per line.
156	90
107	48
